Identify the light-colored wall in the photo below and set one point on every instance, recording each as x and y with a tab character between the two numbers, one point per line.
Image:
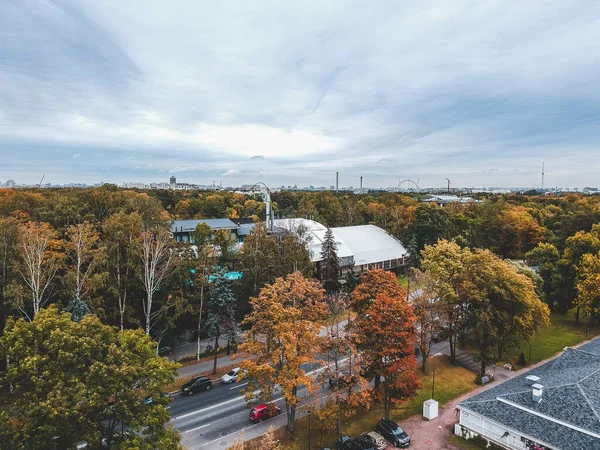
474	424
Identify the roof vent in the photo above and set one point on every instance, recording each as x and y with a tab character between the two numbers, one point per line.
532	379
537	391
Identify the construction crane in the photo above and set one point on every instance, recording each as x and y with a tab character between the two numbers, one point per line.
41	181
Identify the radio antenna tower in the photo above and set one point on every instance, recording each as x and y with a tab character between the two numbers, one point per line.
542	175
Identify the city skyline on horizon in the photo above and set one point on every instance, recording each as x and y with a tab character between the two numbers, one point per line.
481	93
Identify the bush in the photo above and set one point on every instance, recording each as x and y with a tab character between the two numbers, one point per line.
522	361
478	441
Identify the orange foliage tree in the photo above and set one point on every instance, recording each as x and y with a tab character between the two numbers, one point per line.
386	335
285	322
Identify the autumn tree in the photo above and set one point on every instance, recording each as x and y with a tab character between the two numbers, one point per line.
223	241
428	324
580	244
40	261
295	256
343	369
588	287
373	282
122	240
156	258
9	253
386	336
285	323
505	308
84	381
85	256
445	267
221	312
269	440
329	266
204	260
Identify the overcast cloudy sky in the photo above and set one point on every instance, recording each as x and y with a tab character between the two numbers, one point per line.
288	92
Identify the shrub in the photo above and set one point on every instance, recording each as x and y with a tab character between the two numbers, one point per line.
522	361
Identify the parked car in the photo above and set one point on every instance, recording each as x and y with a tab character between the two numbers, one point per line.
231	376
343	443
150	400
264	411
343	381
393	433
350	443
165	351
197	384
377	440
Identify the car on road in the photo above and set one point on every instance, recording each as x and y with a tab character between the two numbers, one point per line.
350	443
197	384
264	411
165	351
231	376
150	400
393	433
342	381
376	439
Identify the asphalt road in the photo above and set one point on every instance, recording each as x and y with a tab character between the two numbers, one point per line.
205	418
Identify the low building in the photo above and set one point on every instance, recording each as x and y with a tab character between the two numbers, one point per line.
555	406
447	199
359	248
183	230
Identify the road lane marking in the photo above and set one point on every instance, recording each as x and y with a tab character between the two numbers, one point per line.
243	428
238	386
208	408
197	428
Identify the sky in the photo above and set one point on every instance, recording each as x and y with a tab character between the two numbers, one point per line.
285	92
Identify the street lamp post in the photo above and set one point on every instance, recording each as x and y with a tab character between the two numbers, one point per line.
433	384
309	413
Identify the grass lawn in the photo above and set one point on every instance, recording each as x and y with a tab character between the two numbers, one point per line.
561	333
403	281
450	382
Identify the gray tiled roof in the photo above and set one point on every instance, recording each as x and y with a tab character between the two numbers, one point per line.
571	395
214	224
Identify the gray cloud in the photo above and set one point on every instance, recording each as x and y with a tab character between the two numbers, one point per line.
412	89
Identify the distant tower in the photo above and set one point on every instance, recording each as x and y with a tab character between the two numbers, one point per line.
360	184
543	175
173	182
337	179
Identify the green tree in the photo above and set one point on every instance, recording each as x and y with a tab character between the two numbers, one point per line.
121	237
83	381
546	257
430	224
221	312
329	266
259	260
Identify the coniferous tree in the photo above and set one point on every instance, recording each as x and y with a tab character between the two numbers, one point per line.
330	263
221	312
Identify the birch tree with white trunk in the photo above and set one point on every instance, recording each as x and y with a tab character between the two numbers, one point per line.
157	259
39	263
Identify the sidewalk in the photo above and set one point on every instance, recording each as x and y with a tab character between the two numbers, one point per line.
205	366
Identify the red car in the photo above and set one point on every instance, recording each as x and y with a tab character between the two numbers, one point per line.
264	411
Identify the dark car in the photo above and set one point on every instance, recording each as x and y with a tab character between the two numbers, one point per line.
393	433
342	381
165	351
264	411
197	384
350	443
